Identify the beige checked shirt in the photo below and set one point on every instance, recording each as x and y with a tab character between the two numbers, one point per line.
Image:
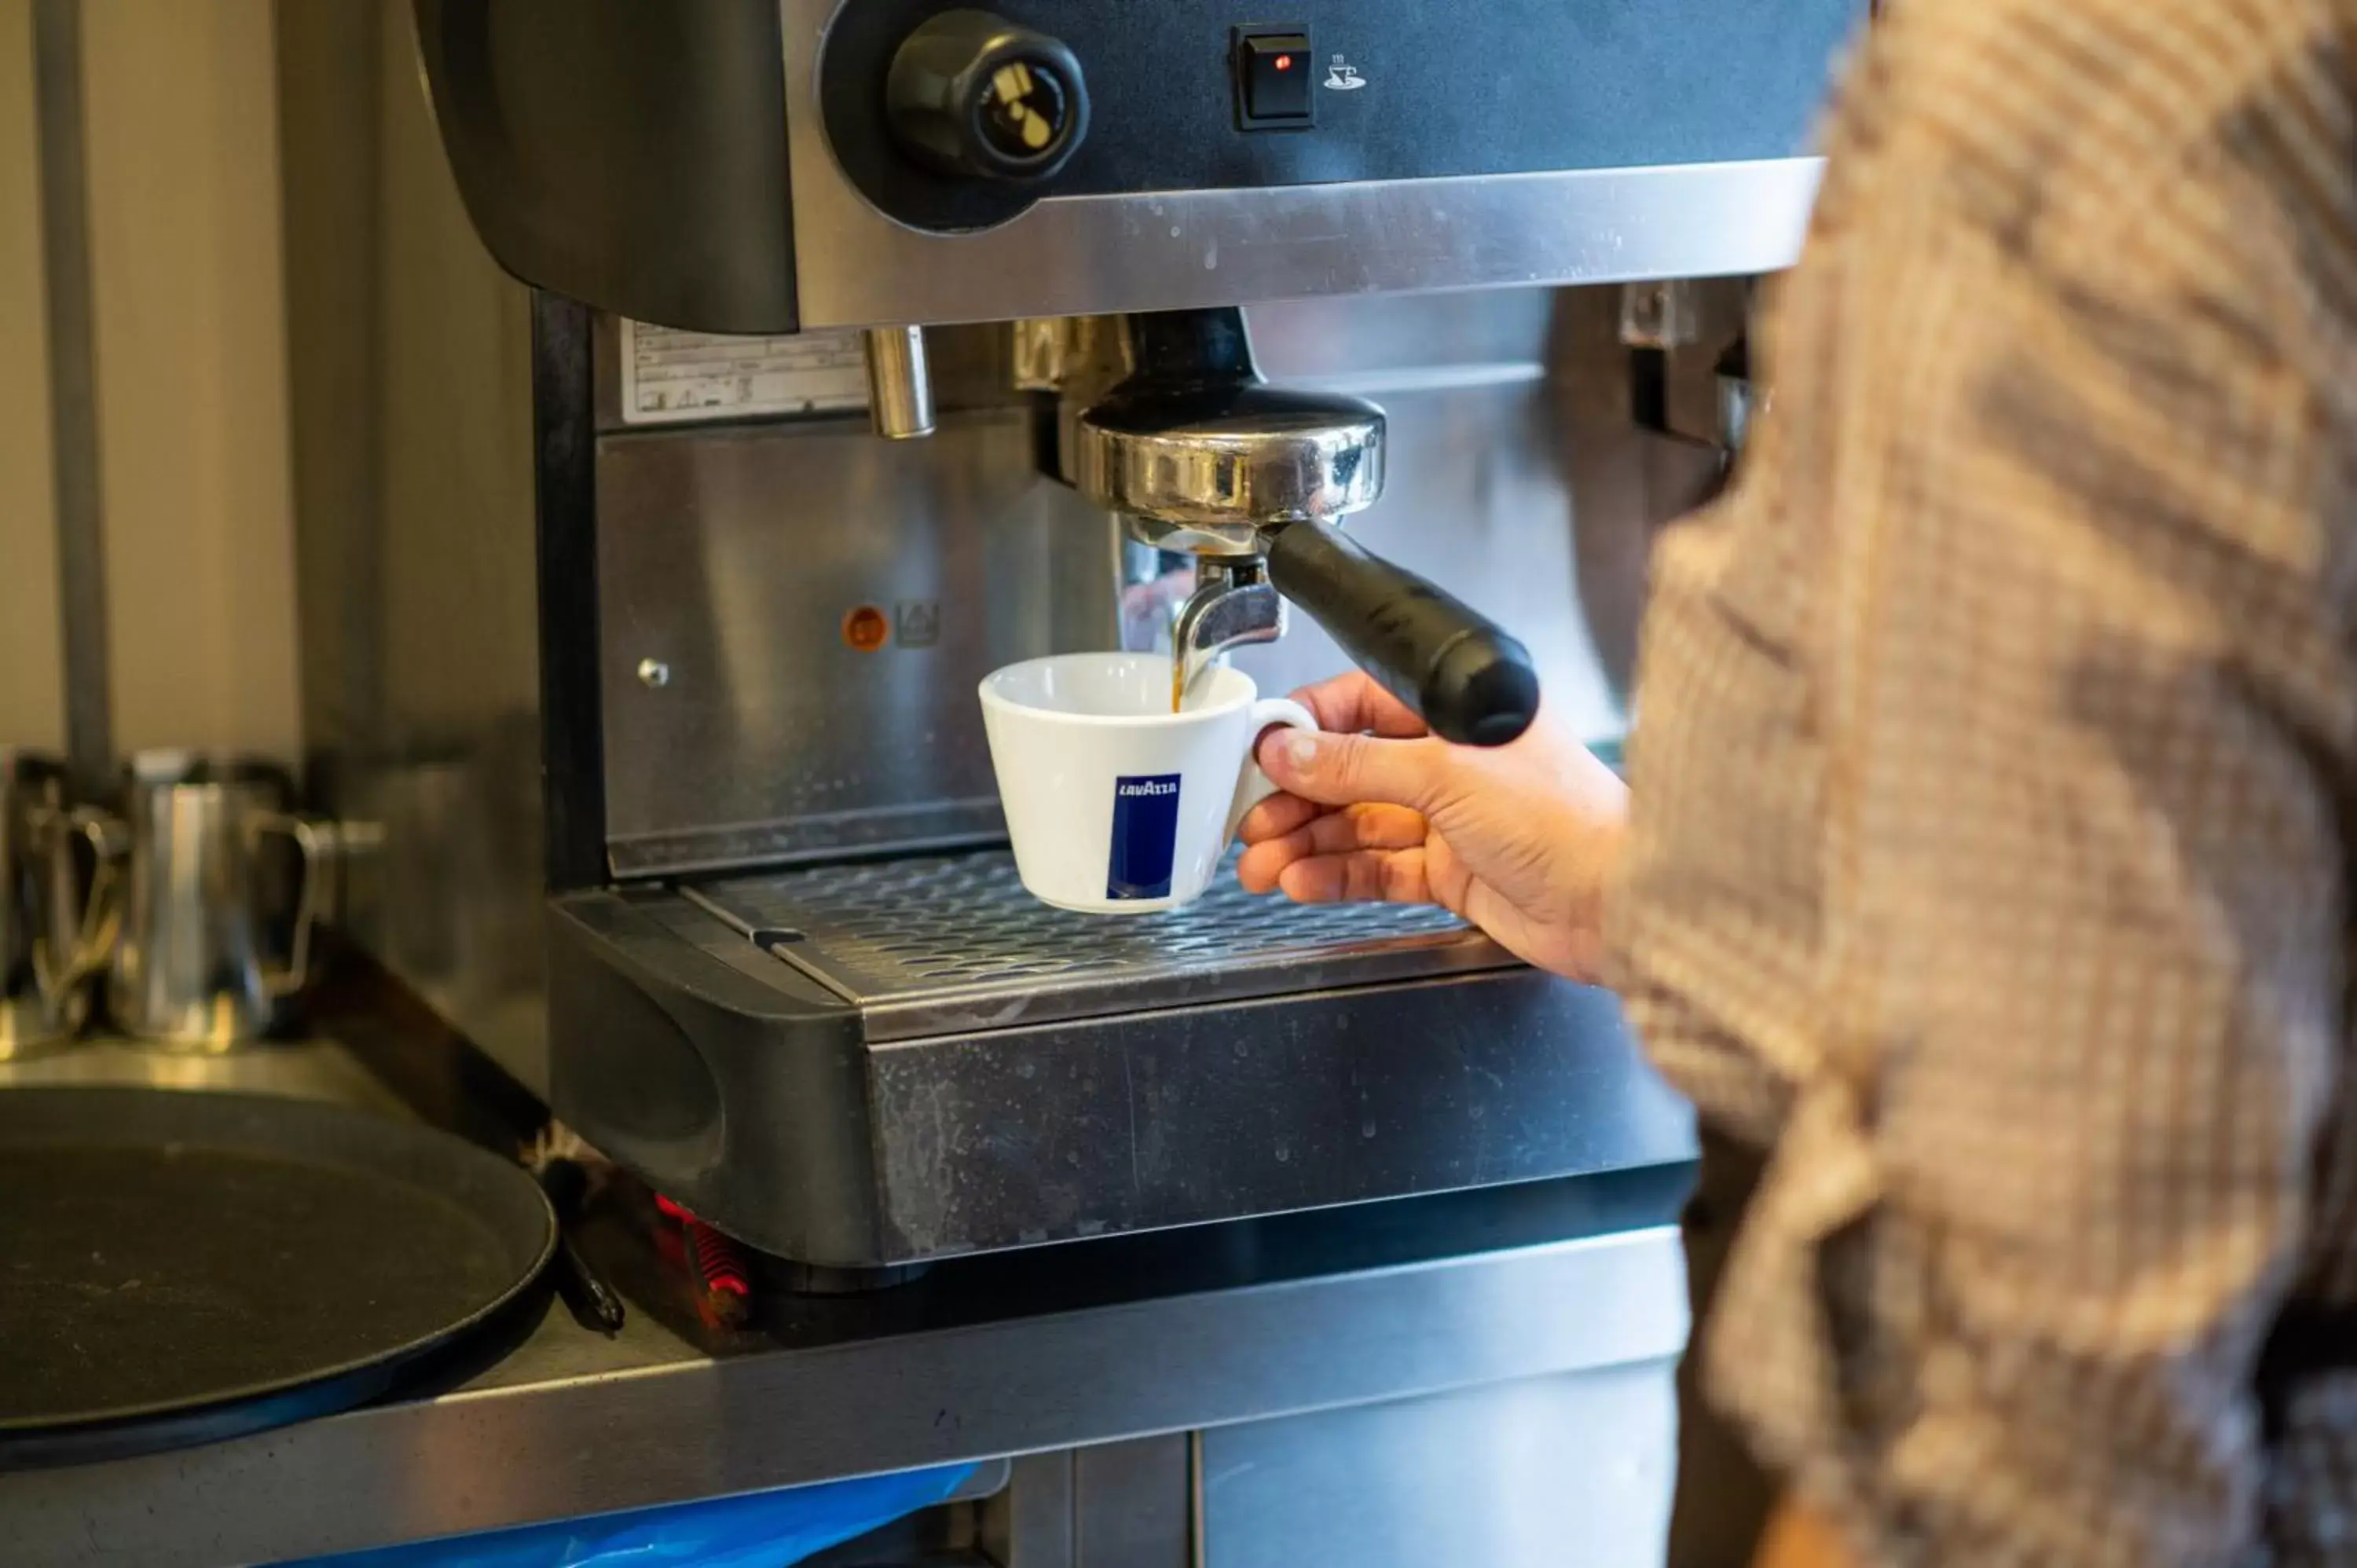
1993	775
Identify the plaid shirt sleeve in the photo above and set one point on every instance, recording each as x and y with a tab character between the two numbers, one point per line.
1995	738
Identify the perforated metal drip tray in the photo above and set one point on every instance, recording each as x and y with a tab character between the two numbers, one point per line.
947	944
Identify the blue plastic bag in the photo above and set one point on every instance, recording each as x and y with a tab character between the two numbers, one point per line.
760	1529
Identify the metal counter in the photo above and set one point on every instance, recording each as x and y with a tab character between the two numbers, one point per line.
978	1358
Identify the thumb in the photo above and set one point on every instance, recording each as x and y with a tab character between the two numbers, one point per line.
1344	769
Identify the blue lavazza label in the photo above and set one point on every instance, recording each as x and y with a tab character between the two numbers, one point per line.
1145	836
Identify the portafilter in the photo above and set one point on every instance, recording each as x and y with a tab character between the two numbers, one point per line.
1200	455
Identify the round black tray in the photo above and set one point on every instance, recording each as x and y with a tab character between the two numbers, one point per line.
178	1266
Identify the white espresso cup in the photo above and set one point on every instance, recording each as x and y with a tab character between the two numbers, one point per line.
1117	805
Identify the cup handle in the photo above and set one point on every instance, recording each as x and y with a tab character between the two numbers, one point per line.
96	924
1253	786
109	837
318	844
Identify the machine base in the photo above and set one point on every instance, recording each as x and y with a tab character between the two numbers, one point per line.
806	1118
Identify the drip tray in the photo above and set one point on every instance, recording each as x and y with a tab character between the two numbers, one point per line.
952	943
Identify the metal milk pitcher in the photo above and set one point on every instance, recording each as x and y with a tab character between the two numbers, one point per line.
225	886
57	918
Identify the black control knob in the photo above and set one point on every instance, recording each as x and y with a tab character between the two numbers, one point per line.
974	94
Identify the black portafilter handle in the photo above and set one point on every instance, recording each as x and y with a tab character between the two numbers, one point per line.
1471	683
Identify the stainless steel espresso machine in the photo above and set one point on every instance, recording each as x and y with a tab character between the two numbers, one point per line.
1163	308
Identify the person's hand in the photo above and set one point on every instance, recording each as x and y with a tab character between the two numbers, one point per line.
1799	1537
1518	839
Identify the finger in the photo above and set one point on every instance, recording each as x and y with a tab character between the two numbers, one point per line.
1343	770
1367	876
1261	867
1312	829
1353	701
1346	831
1368	825
1275	817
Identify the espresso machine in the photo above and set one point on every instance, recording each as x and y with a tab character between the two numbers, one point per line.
876	344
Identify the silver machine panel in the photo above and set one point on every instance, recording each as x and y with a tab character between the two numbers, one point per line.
1179	249
731	554
732	559
1169	250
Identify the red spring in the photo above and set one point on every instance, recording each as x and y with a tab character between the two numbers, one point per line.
717	1260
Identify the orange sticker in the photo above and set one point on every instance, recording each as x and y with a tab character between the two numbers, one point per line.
867	629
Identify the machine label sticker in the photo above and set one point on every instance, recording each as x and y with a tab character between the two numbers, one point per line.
1145	836
670	376
1343	77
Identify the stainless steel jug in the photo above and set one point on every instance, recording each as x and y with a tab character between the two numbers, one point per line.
57	918
225	886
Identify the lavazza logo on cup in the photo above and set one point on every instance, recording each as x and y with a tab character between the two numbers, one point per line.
1114	804
1144	837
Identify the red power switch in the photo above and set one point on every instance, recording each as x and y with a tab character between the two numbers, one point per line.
1274	81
